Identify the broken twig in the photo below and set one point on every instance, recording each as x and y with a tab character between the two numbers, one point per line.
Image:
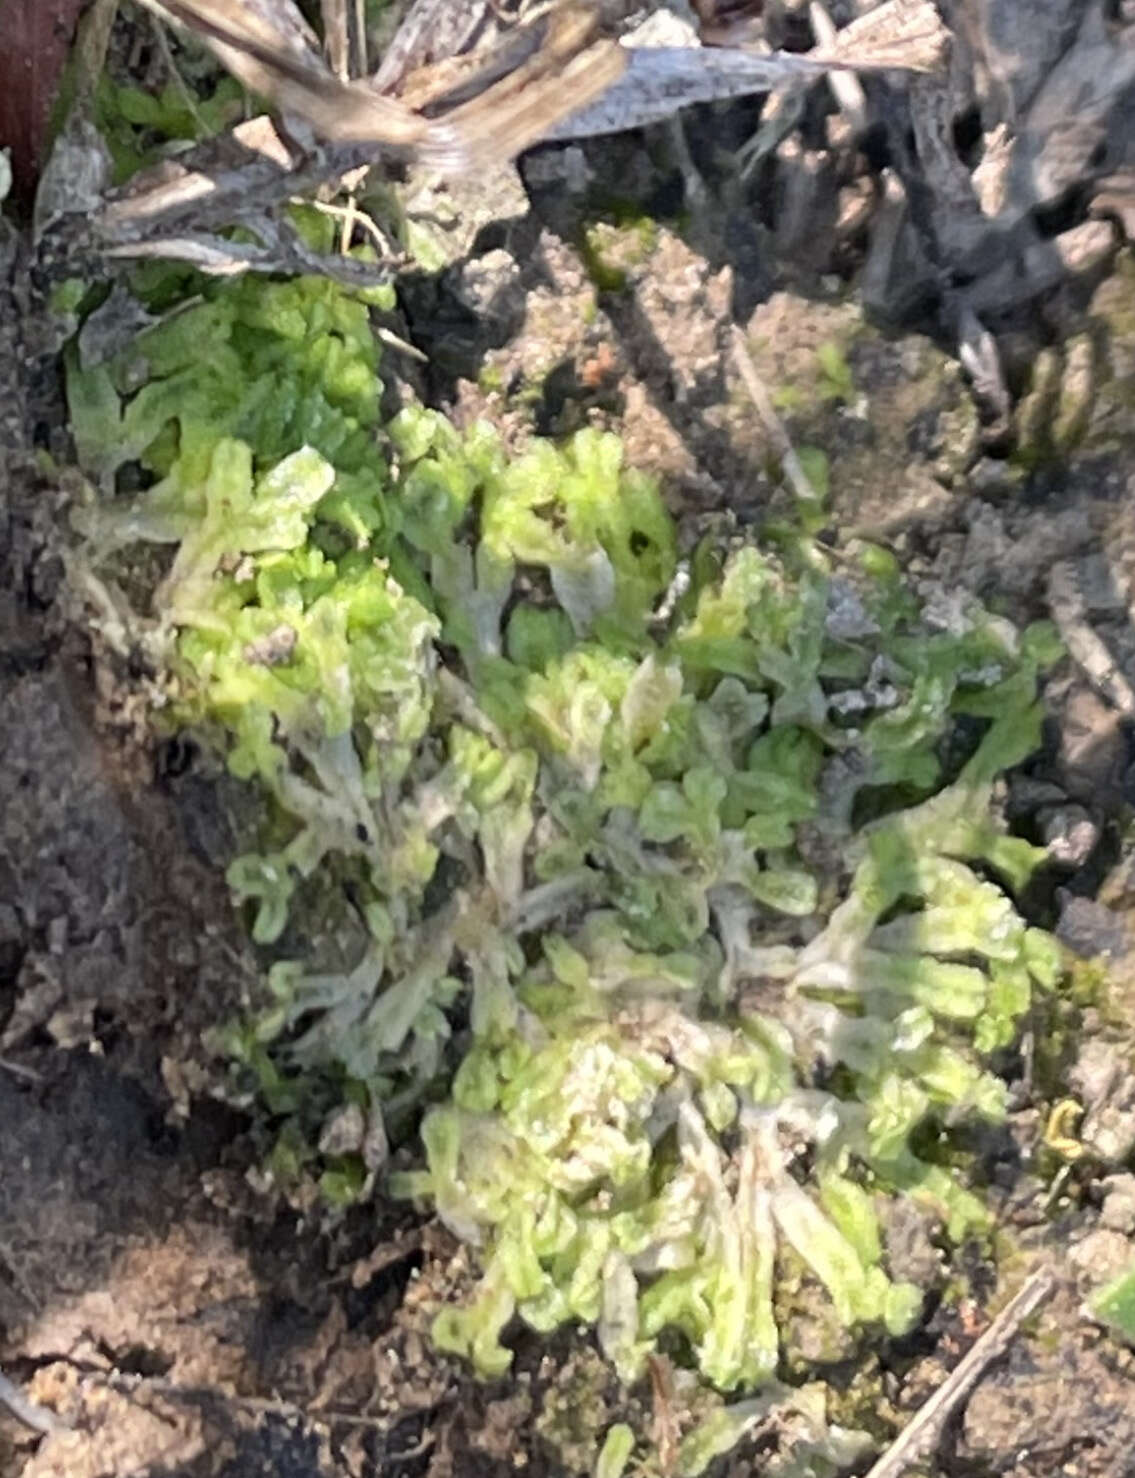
1088	651
913	1441
758	393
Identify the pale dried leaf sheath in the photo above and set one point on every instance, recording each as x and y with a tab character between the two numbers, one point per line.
846	86
569	66
170	190
443	85
565	66
432	31
337	37
529	116
276	64
906	34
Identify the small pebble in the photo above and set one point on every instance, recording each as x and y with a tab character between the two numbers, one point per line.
1090	929
1118	1211
1069	833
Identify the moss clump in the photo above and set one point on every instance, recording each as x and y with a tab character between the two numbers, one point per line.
576	1412
670	1046
612	250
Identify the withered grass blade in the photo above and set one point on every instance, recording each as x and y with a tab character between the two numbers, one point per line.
538	77
907	35
337	37
512	97
661	80
431	31
442	86
273	29
558	76
274	63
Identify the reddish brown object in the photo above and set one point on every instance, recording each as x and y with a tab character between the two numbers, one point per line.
35	38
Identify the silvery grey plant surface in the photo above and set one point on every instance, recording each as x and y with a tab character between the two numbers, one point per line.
560	71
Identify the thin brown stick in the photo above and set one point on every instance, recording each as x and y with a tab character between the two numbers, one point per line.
762	400
134	1387
18	1070
924	1428
337	38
